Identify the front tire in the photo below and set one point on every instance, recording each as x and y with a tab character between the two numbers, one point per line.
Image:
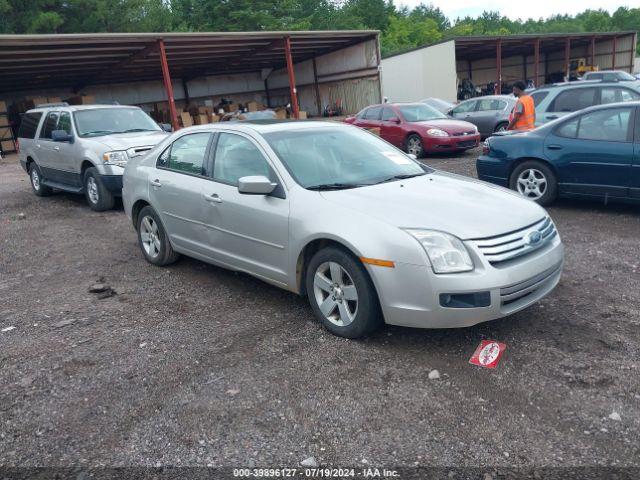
413	145
501	127
35	176
98	197
341	294
153	239
536	181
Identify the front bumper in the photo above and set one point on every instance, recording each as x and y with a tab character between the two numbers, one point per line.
493	170
410	295
451	143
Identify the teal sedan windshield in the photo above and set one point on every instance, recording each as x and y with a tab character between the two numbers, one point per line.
340	157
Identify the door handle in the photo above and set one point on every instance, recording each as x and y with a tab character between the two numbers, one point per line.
552	117
554	147
56	148
155	183
213	198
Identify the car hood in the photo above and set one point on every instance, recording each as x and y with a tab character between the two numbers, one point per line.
124	141
461	206
449	125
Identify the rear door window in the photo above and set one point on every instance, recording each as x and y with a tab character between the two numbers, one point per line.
573	100
373	113
610	125
388	113
187	154
538	97
491	104
50	123
617	94
29	125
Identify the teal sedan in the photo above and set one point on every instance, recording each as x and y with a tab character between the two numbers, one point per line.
591	154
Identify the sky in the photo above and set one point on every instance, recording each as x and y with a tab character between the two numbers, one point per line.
518	8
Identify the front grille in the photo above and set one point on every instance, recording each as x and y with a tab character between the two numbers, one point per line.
460	134
520	290
511	245
467	143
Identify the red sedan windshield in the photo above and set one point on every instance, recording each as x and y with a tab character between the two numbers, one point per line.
419	112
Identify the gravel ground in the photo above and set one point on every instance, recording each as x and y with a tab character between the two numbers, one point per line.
193	365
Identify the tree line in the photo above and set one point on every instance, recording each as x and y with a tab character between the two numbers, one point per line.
402	28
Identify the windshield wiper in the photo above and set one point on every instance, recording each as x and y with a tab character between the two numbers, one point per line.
334	186
399	177
137	130
99	132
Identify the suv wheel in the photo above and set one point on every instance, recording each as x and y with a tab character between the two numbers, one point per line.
98	197
36	182
153	239
342	294
536	181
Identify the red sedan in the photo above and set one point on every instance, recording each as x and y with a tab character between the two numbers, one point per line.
417	128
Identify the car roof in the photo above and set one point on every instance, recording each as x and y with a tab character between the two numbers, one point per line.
268	126
581	84
75	108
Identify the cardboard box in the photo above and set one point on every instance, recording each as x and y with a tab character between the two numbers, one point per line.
54	100
39	101
231	107
254	106
4	120
81	100
202	119
214	118
3	106
302	115
187	121
7	146
281	114
5	133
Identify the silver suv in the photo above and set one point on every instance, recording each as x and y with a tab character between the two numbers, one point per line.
84	148
555	101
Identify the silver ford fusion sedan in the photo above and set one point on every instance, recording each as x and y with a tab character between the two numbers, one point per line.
335	213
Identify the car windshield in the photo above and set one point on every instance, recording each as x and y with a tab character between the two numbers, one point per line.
105	121
420	113
337	158
438	104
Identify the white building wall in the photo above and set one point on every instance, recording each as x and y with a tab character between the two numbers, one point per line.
422	73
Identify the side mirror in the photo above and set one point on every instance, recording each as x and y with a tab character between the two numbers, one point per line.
61	136
166	127
256	185
450	112
411	155
394	120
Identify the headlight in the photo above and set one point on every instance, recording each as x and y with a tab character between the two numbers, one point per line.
436	132
446	252
118	158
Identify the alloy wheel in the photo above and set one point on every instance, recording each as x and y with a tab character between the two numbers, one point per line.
150	236
335	293
413	146
92	190
532	183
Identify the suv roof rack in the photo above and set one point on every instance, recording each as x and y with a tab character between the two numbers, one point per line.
58	104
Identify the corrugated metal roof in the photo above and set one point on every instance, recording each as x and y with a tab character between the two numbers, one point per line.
77	60
477	47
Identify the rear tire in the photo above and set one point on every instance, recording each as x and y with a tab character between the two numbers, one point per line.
536	181
36	181
341	294
153	239
413	144
501	127
98	197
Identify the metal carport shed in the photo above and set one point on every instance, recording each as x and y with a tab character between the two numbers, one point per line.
307	68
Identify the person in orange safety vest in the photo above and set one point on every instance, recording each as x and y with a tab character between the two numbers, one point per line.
523	116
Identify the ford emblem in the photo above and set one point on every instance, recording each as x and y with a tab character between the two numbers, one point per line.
534	238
